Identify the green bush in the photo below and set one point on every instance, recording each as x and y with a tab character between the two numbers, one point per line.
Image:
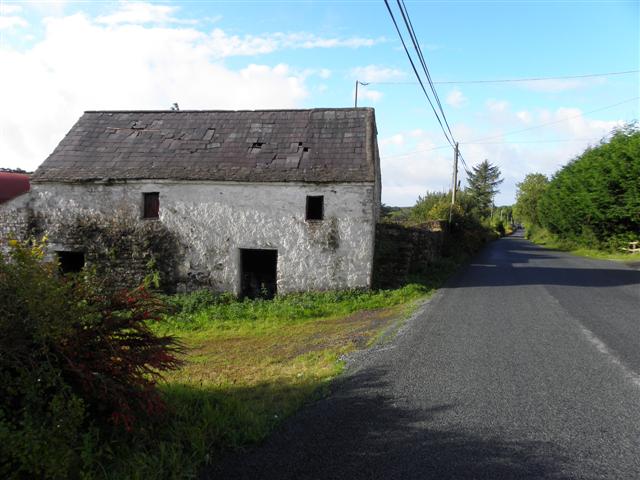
76	366
596	196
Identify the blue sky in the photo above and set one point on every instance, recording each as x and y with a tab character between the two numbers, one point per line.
60	58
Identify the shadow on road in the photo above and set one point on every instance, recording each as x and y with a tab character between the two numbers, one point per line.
487	275
514	262
360	433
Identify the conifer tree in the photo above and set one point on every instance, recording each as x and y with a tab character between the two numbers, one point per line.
483	180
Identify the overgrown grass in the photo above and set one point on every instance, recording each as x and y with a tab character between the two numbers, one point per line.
225	316
252	363
543	237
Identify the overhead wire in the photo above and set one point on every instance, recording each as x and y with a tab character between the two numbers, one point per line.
514	80
481	141
414	39
555	121
448	133
415	71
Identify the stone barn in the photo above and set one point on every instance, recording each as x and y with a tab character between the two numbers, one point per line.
249	202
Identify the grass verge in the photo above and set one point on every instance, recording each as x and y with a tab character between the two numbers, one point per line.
546	239
250	364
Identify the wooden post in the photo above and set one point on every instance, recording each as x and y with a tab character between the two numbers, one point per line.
454	185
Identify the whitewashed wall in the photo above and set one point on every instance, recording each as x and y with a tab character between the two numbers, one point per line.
214	220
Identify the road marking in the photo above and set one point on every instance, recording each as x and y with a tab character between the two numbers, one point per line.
612	357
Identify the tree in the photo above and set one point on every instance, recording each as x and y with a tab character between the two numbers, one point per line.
528	195
483	182
595	199
425	204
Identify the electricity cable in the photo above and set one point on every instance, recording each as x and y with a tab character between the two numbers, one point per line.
415	71
514	80
480	141
416	45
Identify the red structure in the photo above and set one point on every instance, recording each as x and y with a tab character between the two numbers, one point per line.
12	185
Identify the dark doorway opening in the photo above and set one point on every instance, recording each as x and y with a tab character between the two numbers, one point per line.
258	270
70	262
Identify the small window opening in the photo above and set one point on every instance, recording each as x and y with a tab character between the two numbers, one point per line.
259	272
256	147
70	262
315	207
151	205
305	149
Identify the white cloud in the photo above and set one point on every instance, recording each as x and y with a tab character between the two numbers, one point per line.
8	19
140	13
561	85
397	139
456	99
497	105
223	45
572	121
54	81
48	7
524	116
425	166
376	73
8	9
7	22
369	94
412	164
324	73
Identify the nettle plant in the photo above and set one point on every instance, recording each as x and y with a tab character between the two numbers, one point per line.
74	359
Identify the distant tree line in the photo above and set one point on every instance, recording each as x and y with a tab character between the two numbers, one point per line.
471	220
594	200
14	170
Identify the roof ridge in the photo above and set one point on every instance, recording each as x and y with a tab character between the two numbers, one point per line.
228	111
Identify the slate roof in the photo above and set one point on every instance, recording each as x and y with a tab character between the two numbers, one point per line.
319	145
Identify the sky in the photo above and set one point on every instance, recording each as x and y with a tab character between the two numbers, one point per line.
60	58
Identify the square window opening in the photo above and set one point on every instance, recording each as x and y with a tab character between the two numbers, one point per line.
151	208
315	207
70	262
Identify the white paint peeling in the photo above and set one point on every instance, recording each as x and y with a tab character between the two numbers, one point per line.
213	220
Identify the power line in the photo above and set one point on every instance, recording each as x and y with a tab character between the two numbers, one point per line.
408	154
415	71
480	141
440	147
514	80
555	121
414	39
531	141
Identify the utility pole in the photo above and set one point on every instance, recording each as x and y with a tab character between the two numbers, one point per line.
454	184
455	175
360	83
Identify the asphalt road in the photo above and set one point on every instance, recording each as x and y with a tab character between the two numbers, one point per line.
527	365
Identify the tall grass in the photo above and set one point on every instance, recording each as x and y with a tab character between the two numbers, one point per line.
223	314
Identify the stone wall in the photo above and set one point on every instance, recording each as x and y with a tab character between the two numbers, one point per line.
15	219
402	252
207	223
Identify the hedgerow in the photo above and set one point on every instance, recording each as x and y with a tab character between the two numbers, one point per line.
595	199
